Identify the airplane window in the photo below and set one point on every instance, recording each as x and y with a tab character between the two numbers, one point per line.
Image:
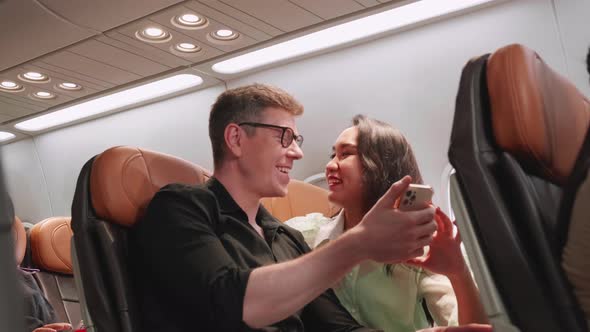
318	179
446	185
446	189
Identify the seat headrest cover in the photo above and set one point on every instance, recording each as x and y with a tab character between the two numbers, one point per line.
20	240
537	114
302	198
50	245
124	179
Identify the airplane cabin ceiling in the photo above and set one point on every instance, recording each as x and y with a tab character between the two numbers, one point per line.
95	44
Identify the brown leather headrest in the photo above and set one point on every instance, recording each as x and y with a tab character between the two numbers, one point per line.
50	245
302	198
20	240
124	180
537	114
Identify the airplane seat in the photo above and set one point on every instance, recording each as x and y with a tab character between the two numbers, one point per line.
20	240
301	199
50	251
518	130
112	192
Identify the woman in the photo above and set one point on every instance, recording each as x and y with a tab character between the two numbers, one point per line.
367	158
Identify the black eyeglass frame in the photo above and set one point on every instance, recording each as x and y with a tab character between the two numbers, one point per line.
297	138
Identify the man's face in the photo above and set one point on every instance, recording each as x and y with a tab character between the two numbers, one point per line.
265	162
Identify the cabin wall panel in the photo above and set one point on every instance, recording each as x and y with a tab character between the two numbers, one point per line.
408	79
573	18
25	181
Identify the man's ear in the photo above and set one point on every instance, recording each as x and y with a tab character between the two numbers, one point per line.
233	135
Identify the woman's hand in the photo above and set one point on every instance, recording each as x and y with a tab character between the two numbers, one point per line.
54	327
445	256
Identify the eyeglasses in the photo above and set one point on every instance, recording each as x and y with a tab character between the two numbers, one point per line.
287	134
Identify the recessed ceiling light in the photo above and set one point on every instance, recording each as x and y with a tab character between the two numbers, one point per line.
190	18
190	21
44	95
111	102
153	34
11	86
69	86
396	18
33	76
187	47
5	136
225	34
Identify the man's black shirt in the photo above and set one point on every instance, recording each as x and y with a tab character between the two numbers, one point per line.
191	257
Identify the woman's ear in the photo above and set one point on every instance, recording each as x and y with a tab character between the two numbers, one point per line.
233	139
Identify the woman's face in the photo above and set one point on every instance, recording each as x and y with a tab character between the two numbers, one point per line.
344	171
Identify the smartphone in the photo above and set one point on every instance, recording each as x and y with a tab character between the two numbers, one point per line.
416	197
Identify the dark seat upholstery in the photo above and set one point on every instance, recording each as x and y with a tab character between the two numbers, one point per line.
112	192
517	132
50	250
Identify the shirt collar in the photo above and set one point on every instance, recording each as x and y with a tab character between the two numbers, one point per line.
330	230
228	205
266	220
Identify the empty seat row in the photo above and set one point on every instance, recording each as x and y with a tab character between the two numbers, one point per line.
49	243
50	249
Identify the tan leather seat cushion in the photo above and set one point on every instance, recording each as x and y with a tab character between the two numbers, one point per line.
50	250
302	198
542	119
50	245
537	114
124	180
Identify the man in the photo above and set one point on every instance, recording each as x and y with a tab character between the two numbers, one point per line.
210	258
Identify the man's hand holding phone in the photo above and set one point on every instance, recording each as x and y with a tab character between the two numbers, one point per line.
391	235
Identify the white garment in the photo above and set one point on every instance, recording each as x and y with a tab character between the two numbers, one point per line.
376	299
